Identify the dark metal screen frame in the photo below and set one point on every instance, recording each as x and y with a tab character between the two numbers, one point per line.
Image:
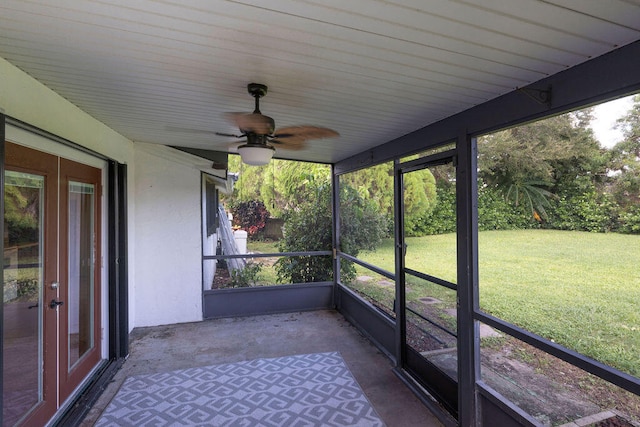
2	159
335	228
380	271
269	255
467	263
614	74
118	261
607	373
440	386
258	300
601	79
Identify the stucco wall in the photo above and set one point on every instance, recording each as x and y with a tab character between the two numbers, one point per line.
168	265
164	220
24	98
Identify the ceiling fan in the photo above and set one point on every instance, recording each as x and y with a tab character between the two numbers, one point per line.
261	134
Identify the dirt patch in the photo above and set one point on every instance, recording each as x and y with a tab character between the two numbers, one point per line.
540	395
429	300
564	377
420	341
267	261
221	279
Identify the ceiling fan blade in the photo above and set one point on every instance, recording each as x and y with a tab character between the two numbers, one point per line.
304	132
290	143
252	122
188	130
229	134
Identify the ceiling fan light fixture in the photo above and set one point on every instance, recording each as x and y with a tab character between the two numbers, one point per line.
256	155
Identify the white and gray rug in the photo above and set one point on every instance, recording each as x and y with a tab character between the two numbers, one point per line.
303	390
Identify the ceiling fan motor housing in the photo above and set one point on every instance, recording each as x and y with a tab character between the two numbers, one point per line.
259	131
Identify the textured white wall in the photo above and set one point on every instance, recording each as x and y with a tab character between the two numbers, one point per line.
165	269
24	98
168	238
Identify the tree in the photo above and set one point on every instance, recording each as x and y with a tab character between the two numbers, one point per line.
290	182
533	163
281	185
625	159
308	228
624	170
375	184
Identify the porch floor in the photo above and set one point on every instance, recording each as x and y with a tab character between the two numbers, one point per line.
212	342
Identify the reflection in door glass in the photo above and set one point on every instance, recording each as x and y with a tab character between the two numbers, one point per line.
22	297
81	269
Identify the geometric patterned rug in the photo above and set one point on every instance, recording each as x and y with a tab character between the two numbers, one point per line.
304	390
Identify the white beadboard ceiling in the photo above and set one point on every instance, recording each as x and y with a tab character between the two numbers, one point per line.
373	70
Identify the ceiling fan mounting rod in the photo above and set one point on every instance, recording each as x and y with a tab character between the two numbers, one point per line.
257	90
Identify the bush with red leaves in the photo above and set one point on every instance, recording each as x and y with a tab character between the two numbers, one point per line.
250	216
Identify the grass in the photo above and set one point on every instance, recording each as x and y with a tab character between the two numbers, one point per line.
581	290
263	246
383	295
267	275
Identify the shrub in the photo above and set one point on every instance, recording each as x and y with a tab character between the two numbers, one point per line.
251	216
309	229
441	219
588	211
246	277
496	213
630	220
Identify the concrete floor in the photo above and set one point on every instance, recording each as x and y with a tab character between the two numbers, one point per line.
167	348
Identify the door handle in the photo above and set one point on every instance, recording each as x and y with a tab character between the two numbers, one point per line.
55	304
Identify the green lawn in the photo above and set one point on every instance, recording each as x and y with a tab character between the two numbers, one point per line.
581	290
267	275
262	246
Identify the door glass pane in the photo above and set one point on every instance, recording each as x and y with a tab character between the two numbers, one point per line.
22	292
81	270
